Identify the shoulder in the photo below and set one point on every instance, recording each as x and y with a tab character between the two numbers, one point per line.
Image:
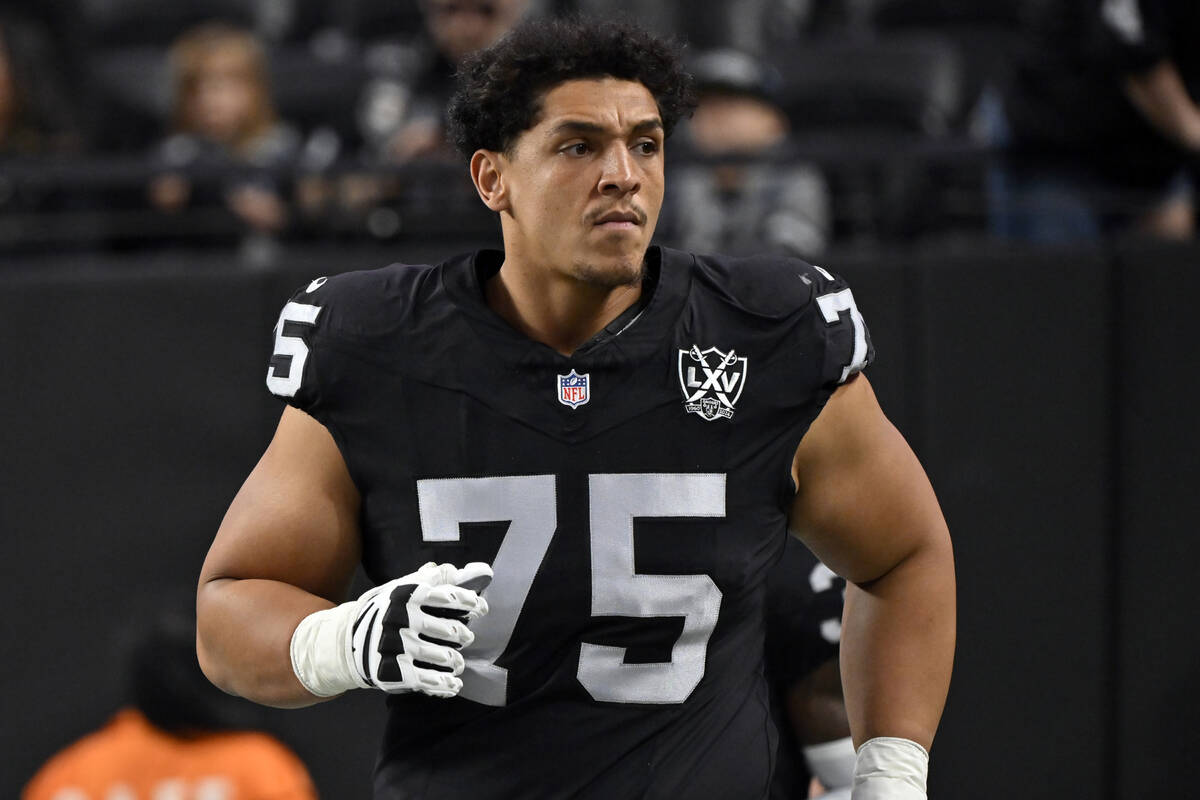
767	285
366	303
89	757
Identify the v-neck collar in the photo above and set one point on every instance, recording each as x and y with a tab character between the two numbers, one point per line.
632	336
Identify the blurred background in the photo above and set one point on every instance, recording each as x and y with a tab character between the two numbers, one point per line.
1007	184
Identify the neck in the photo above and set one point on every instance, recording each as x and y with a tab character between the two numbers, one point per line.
558	311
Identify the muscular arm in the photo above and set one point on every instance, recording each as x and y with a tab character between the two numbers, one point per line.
867	510
1160	95
287	547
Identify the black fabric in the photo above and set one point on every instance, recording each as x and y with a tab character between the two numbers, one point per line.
1065	96
802	595
419	381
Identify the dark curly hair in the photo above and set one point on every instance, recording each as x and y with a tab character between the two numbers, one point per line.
499	89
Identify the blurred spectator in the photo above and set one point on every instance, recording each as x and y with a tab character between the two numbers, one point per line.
746	195
404	106
1100	122
36	122
35	115
177	738
803	638
223	119
402	119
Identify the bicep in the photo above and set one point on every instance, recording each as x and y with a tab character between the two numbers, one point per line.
295	519
863	503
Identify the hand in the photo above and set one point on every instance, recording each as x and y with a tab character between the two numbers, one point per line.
170	192
258	207
408	632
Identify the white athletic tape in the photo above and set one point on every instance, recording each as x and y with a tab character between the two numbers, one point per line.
889	768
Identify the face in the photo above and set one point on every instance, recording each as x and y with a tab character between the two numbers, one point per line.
223	96
460	27
728	123
581	190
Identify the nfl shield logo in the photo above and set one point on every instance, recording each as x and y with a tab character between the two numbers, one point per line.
573	389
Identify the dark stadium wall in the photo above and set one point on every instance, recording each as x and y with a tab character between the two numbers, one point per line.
1046	392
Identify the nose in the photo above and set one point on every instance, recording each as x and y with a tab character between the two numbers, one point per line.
619	175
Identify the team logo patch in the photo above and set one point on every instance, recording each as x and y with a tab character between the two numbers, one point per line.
574	389
711	381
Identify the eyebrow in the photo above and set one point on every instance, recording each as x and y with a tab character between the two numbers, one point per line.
580	126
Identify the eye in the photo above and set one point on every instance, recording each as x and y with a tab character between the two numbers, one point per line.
647	148
577	149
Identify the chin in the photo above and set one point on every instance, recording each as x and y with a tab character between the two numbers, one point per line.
611	272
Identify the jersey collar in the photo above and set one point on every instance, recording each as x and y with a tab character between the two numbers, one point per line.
632	336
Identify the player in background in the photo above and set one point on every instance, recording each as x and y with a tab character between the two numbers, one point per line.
178	737
804	624
612	440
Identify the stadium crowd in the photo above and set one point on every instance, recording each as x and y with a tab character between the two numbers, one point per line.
128	124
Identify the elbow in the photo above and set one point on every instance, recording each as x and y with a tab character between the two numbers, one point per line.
211	667
208	651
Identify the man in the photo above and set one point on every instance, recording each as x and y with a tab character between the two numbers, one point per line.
176	736
1101	122
624	433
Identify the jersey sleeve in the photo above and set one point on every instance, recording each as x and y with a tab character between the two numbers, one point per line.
838	326
301	339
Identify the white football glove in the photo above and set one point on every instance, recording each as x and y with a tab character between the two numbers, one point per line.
400	636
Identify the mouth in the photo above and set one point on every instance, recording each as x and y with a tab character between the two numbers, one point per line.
621	220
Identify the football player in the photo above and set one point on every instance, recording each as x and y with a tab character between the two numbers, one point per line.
804	615
595	448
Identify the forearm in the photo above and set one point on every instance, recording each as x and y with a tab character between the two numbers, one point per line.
1162	98
897	648
243	635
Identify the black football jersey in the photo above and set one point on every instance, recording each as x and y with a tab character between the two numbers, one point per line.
631	498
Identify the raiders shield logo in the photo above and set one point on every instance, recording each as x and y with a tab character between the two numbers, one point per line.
711	381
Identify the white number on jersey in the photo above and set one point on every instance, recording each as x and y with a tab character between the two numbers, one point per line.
291	346
831	305
528	504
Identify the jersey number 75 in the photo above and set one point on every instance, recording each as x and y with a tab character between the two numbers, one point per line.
529	504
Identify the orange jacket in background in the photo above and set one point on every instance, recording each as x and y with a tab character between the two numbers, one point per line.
130	759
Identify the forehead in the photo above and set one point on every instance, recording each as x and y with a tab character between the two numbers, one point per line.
609	102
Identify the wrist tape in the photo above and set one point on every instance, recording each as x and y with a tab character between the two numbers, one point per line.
320	650
889	768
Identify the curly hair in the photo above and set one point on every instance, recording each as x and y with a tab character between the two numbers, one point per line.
500	89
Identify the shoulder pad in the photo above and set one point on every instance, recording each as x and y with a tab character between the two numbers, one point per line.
365	302
764	285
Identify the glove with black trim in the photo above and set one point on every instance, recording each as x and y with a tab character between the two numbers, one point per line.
401	636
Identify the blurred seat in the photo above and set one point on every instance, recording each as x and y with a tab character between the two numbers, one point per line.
148	23
140	23
132	86
937	13
373	20
880	114
987	32
315	91
904	83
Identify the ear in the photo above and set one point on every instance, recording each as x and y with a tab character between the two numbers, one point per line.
487	172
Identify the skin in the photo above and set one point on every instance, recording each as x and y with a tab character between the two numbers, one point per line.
1162	98
596	151
290	541
224	97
